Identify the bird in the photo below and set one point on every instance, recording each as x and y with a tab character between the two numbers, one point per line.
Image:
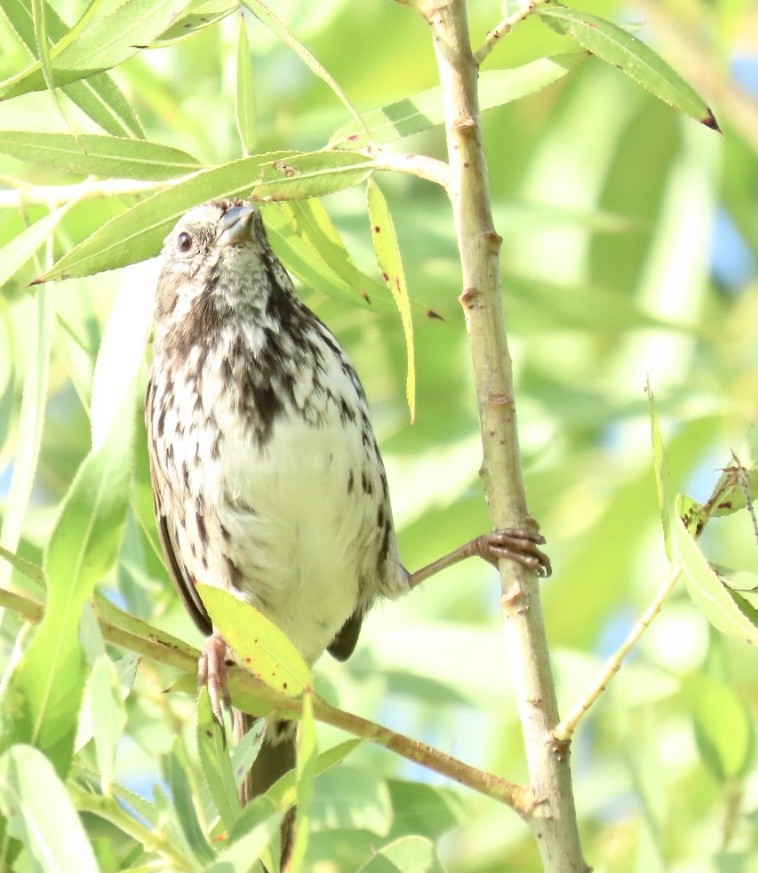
266	474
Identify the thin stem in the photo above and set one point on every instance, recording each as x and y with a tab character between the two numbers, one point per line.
90	189
250	693
553	823
565	730
505	27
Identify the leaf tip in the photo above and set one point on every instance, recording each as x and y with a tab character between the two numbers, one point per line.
709	120
430	313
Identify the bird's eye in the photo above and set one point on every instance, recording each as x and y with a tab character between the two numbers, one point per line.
183	242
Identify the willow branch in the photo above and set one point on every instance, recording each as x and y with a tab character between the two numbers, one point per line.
250	693
553	823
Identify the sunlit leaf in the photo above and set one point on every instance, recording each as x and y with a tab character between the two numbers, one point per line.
424	110
107	34
137	234
37	810
724	730
660	468
272	21
258	643
621	49
704	585
406	855
105	156
390	263
98	96
215	761
244	104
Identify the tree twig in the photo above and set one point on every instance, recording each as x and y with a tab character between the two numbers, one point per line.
132	633
565	730
505	27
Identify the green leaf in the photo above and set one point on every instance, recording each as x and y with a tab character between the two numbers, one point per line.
244	104
91	154
306	772
30	423
21	249
138	233
176	768
46	687
391	264
303	236
215	762
258	643
255	830
406	855
284	790
423	111
352	799
660	468
107	717
38	812
108	33
274	23
619	48
723	730
202	15
705	587
98	96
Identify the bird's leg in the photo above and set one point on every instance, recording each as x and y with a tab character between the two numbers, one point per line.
211	672
517	545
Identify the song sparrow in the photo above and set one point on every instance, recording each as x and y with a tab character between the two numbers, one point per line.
266	473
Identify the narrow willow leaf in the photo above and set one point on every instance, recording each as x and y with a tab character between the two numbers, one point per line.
244	104
306	773
215	762
107	715
274	23
403	856
705	587
390	263
723	730
30	422
423	111
660	468
284	791
310	174
258	643
47	685
106	35
256	829
137	234
95	155
619	48
98	96
303	236
202	15
16	253
176	768
38	811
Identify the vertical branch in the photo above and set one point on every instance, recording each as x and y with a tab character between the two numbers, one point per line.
553	823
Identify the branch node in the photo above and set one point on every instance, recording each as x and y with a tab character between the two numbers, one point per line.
468	297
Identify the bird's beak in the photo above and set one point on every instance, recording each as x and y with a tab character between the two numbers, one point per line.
236	226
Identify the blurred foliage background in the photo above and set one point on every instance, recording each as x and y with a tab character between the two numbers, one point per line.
630	247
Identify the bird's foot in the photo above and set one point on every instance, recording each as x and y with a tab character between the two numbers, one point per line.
211	673
521	546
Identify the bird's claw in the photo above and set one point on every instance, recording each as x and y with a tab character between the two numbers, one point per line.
211	673
521	546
